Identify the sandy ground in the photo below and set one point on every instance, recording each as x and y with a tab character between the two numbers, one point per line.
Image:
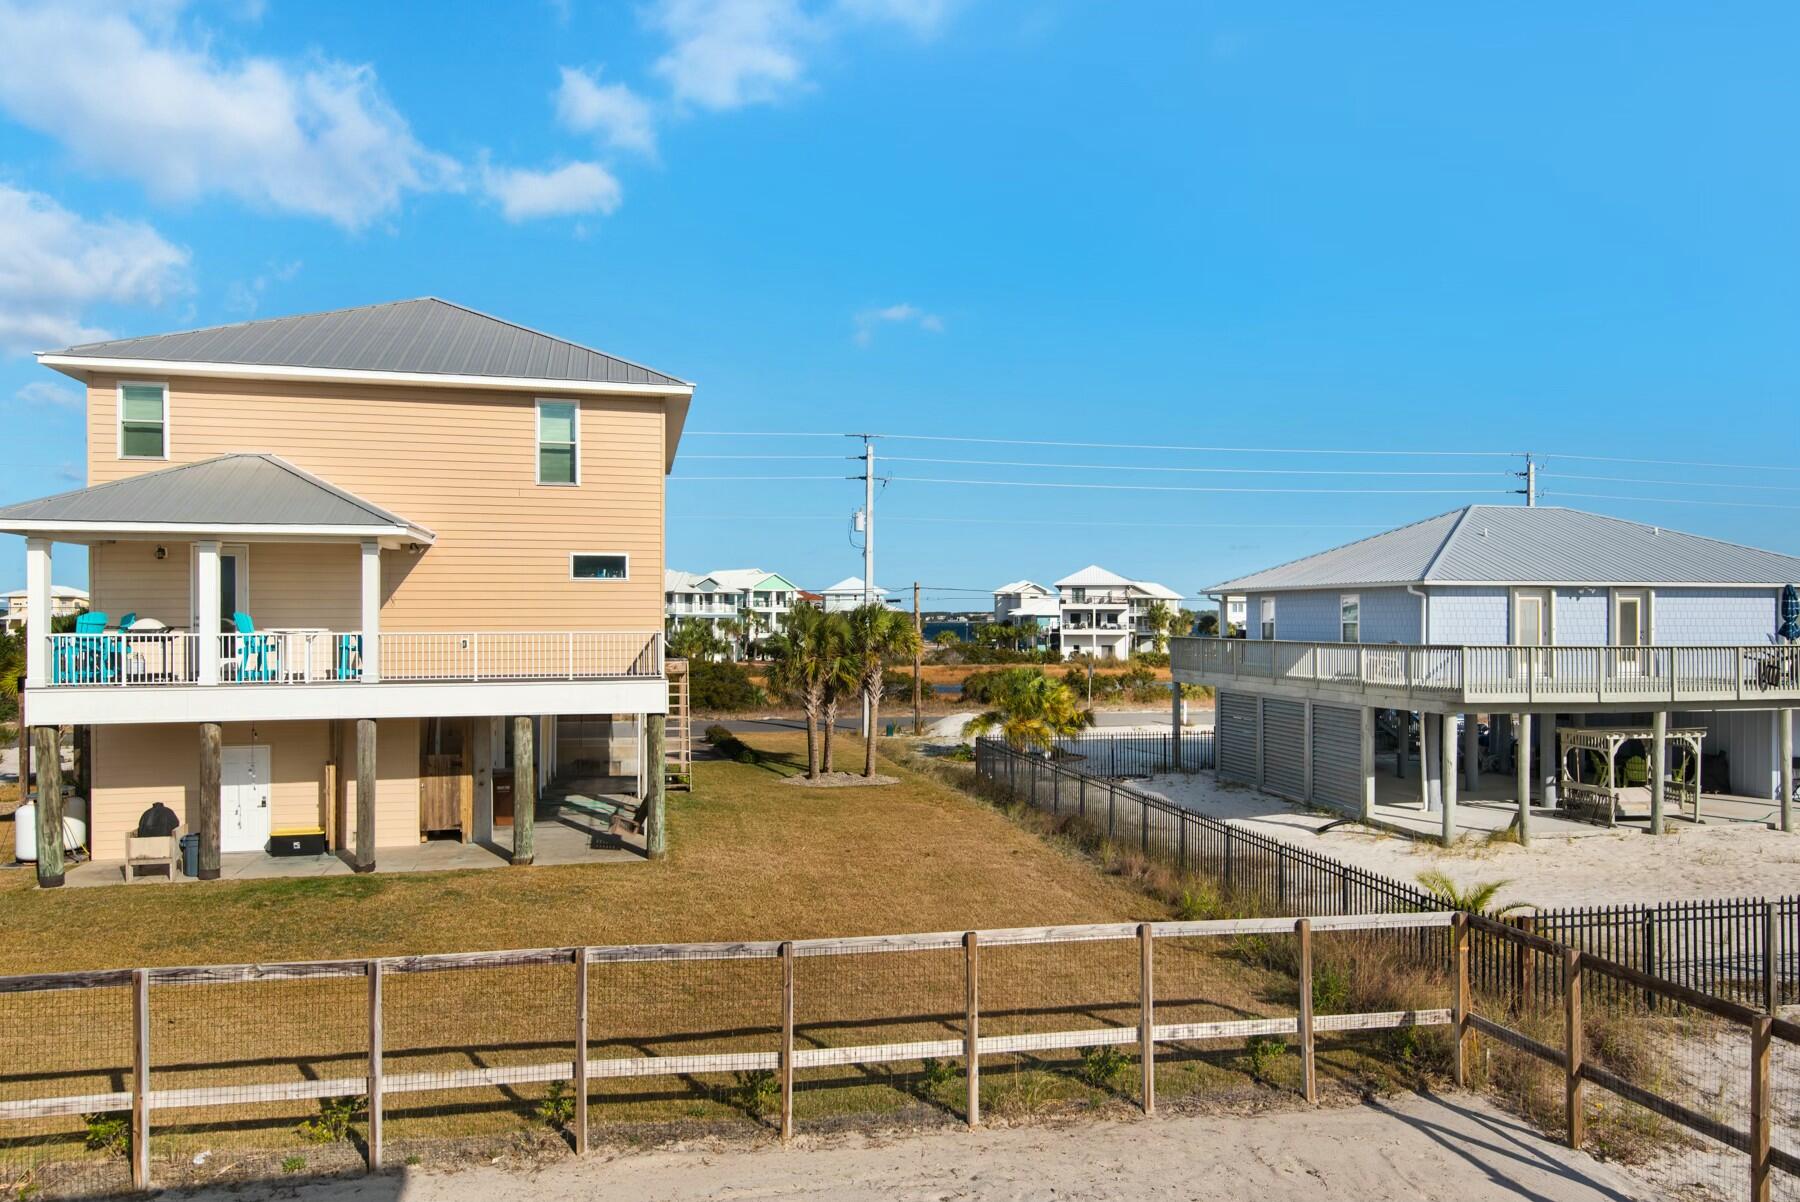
1412	1148
1607	866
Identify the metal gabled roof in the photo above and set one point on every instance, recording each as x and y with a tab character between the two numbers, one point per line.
426	336
1517	544
227	492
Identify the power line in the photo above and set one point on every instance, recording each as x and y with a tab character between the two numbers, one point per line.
1674	483
1739	467
1202	488
1006	521
1226	471
1109	446
1601	496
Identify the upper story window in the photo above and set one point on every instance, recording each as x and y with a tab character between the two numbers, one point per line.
1267	606
143	421
589	565
559	435
1350	618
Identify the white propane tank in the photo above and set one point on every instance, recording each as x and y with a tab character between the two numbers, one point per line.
75	828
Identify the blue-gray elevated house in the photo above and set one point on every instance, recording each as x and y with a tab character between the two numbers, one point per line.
1563	626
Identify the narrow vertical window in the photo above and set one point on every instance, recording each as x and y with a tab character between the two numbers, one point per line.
143	421
1267	608
1350	618
558	437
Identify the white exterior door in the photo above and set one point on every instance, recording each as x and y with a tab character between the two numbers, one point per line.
244	800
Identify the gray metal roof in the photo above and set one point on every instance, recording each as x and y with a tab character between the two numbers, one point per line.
236	490
1518	544
427	335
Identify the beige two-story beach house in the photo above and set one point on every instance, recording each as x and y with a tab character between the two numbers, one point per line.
378	573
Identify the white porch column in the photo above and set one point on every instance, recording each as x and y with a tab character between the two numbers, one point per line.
1522	767
371	610
1785	749
206	610
1368	759
1447	738
1547	760
1659	763
1471	751
37	612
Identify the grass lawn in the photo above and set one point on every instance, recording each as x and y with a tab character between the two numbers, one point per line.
751	858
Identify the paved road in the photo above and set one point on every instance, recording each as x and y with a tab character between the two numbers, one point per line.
1456	1148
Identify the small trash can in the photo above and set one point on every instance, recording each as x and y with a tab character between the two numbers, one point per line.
190	855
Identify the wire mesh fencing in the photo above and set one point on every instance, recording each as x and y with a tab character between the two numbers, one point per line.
125	1078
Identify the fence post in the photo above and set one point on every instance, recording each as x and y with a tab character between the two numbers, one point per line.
579	957
374	1066
1228	860
1281	874
1768	967
1650	954
1144	827
140	1079
1459	951
1761	1106
972	1025
1147	1016
1112	804
787	1041
1525	982
1181	854
1309	1080
1081	796
1572	1047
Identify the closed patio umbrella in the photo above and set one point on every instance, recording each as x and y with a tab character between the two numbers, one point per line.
1790	615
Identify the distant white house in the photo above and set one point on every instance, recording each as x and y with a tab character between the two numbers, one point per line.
1237	612
64	601
729	593
1028	603
1106	615
848	594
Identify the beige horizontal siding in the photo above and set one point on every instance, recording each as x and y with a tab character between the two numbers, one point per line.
137	766
290	584
460	461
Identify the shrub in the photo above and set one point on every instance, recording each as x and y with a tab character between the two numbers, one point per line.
292	1164
897	687
757	1091
1330	989
333	1122
110	1133
730	746
1101	1066
557	1107
1264	1053
723	687
935	1074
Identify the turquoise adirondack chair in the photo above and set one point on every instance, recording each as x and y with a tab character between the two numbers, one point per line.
256	652
349	657
81	661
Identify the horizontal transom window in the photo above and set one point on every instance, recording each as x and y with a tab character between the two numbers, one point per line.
599	565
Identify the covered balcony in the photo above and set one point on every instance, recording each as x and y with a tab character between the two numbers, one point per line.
242	587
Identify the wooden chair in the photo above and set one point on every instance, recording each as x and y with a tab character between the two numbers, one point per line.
151	851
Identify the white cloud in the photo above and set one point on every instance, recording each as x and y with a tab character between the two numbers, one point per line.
42	392
923	17
318	138
245	296
561	192
55	265
614	113
869	320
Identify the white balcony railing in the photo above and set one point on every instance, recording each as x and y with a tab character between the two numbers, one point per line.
1499	674
299	657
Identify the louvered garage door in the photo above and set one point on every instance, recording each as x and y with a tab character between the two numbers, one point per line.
1284	747
1236	714
1337	756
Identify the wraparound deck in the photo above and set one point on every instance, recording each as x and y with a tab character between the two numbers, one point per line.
1451	679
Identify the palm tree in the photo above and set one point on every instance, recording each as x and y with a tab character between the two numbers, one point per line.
696	640
1476	899
810	665
877	634
839	671
1031	710
1161	620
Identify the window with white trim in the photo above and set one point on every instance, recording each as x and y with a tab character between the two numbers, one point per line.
1267	606
593	565
1350	618
559	438
1631	619
143	421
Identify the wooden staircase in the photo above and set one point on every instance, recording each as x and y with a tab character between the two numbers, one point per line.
678	747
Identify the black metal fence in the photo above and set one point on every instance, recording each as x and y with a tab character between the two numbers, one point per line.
1745	950
1286	879
1129	754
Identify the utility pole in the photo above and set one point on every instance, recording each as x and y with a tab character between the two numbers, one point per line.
1529	475
868	554
918	661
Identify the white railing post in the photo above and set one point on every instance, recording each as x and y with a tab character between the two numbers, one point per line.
571	655
206	608
475	656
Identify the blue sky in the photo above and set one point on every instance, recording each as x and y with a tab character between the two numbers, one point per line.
1167	225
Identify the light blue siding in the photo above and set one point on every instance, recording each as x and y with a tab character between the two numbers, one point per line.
1580	618
1475	615
1310	617
1700	616
1390	615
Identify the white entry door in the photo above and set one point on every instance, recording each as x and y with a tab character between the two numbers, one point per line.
244	800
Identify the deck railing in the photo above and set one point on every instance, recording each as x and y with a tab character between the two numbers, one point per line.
1529	675
124	659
